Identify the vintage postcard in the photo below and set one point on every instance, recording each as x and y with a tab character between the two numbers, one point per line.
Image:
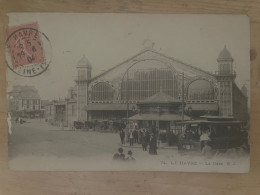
141	92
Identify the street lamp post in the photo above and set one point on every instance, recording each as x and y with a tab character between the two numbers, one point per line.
190	112
127	101
182	102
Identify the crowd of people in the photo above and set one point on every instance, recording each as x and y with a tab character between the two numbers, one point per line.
120	156
146	137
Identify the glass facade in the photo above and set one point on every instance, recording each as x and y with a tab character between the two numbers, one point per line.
140	84
200	90
73	110
225	98
102	92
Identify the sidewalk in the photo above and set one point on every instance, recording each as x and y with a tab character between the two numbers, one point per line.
41	124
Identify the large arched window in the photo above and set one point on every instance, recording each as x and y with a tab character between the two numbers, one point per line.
147	78
200	90
102	92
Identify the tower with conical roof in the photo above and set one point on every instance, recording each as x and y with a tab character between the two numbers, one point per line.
244	90
84	75
225	76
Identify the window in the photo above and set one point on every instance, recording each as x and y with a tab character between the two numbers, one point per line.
200	90
140	84
82	74
72	110
102	92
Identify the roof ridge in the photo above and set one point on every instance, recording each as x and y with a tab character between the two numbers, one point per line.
121	63
161	96
185	63
154	51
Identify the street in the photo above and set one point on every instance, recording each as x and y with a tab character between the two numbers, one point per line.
36	145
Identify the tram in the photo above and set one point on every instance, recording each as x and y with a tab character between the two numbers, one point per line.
223	133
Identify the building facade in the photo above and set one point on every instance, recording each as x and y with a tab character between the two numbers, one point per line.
63	112
24	101
84	75
112	94
161	111
115	93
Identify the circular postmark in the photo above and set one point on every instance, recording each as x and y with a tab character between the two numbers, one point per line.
28	51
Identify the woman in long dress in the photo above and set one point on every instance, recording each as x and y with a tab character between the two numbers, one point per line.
9	123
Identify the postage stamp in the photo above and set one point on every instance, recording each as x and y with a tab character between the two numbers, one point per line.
25	50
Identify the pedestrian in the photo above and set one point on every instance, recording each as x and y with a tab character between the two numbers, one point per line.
130	158
9	118
121	154
153	145
131	138
204	138
122	136
144	143
135	135
140	136
207	150
147	136
145	139
116	157
126	137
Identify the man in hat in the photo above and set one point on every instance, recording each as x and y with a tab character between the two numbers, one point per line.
207	150
131	138
204	138
119	156
122	136
130	158
153	144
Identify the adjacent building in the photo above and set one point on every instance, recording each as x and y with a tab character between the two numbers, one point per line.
24	101
63	112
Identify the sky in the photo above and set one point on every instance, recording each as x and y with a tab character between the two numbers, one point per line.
108	39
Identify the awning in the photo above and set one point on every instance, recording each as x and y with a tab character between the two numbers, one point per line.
209	122
102	106
202	107
162	117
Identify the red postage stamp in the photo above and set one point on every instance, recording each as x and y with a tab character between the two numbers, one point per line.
25	50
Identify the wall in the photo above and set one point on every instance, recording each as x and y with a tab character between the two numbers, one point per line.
240	104
49	112
72	113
